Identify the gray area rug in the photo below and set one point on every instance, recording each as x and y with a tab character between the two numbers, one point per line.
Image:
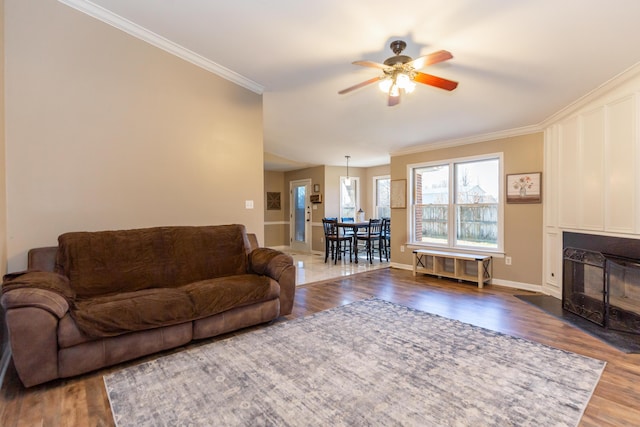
369	363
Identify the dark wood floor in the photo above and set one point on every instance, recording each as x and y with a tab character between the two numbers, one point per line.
616	402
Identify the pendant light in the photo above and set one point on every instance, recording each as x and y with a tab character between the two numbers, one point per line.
347	181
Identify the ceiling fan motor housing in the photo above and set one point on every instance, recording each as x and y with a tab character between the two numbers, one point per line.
398	59
397	46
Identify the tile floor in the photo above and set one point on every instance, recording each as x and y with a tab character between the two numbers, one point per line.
312	268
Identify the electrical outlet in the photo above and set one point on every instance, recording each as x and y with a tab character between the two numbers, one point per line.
401	248
507	260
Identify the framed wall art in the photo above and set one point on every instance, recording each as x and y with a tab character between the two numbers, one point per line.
398	194
273	201
524	187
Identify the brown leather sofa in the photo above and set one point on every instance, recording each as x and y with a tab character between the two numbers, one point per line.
101	298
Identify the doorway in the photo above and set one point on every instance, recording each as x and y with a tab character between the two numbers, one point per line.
300	215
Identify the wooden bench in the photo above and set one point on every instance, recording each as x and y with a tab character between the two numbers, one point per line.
455	265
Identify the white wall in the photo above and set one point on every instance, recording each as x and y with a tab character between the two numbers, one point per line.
592	164
104	131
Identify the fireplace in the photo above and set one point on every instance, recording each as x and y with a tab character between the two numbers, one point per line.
601	280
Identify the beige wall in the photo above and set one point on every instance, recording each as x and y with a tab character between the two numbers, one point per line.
329	179
104	131
522	222
3	192
276	227
369	197
332	185
317	176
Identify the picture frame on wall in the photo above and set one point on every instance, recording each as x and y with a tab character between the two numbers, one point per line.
524	187
273	201
398	194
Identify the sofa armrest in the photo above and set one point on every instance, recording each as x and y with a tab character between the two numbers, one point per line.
40	289
279	266
269	262
34	303
44	299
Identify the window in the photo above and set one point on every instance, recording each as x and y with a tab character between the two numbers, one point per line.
382	196
458	203
348	197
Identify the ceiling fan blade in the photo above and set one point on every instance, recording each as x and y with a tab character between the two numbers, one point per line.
394	100
436	81
432	58
371	64
359	85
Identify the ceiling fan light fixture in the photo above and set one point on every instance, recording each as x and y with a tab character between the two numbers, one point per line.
385	84
405	82
401	73
393	84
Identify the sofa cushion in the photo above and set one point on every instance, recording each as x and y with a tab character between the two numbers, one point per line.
217	295
108	262
132	311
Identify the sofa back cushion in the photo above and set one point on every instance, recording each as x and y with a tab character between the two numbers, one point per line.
106	262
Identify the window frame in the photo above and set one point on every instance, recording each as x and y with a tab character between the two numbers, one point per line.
451	218
374	197
356	197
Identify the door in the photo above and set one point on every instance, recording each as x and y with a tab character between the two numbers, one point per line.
300	215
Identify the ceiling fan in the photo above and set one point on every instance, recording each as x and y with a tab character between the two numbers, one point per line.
400	72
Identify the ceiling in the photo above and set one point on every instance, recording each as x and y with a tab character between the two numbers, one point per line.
518	63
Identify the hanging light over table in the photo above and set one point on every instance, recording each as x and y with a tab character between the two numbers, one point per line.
347	180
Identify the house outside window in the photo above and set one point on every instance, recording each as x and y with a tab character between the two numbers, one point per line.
458	203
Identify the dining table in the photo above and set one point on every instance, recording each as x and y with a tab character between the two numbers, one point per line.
354	226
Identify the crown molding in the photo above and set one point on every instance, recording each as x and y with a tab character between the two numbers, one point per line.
509	133
160	42
599	91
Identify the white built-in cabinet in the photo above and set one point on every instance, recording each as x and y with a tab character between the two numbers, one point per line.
592	168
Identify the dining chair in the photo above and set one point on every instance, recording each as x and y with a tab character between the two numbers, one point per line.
348	231
334	242
371	238
385	237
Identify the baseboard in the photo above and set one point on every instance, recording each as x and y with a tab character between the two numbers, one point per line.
401	266
494	281
4	363
517	285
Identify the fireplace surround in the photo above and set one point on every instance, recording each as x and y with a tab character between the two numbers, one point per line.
601	280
